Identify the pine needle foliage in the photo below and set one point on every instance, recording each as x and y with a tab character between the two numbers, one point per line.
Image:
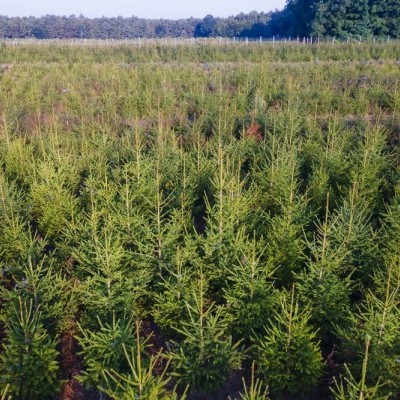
103	349
323	285
287	352
176	290
250	294
28	363
45	290
377	319
190	186
206	355
256	390
350	388
142	380
19	241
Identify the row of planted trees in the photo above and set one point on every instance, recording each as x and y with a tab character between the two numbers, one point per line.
183	260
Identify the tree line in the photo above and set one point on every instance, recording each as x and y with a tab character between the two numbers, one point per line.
323	18
63	27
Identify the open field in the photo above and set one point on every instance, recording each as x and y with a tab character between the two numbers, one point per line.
200	221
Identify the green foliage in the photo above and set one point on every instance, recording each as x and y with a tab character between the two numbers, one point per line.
18	240
255	391
287	352
109	282
142	381
176	290
338	18
52	203
250	295
321	286
206	356
377	319
350	388
46	290
103	350
352	236
196	207
226	219
285	207
28	363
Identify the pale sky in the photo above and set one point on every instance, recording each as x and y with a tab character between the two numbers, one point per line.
144	8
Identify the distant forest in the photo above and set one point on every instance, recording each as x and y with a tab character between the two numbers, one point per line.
322	18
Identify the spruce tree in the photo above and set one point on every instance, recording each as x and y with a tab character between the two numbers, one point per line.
250	294
103	350
226	219
377	319
206	355
142	380
287	351
323	286
28	362
351	388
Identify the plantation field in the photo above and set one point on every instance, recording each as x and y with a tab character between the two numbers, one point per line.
208	221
